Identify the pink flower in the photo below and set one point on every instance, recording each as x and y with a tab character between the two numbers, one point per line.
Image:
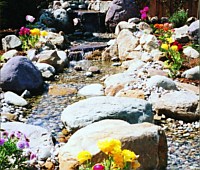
142	12
144	16
24	31
146	9
30	18
98	167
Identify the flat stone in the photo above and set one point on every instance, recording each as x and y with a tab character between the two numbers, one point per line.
182	105
161	81
57	90
120	78
85	112
12	98
188	87
131	93
89	47
145	139
92	90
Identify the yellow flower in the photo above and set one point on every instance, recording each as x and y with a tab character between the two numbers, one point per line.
84	156
174	47
170	40
35	31
109	146
118	160
165	46
135	164
129	156
44	33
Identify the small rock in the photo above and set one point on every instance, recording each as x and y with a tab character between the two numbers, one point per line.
78	68
94	69
88	74
12	98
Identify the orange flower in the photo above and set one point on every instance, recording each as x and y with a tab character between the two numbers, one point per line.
156	26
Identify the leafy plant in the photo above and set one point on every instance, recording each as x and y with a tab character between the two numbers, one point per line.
172	49
179	18
174	62
13	151
117	158
30	35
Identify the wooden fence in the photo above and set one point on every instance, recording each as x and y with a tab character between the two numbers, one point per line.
165	8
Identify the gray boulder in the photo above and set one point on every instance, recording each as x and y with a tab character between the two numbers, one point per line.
41	141
10	42
120	10
94	109
161	81
62	21
53	58
19	74
47	70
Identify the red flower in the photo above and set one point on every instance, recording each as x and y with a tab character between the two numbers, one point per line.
180	47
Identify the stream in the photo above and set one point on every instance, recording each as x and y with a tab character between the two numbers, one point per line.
45	110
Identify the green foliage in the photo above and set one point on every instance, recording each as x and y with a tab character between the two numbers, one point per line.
13	151
179	18
174	62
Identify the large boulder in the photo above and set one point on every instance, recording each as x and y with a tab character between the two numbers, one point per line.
57	59
10	42
63	21
41	141
181	105
120	10
145	139
94	109
126	42
19	74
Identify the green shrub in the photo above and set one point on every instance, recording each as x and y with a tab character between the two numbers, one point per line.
179	18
